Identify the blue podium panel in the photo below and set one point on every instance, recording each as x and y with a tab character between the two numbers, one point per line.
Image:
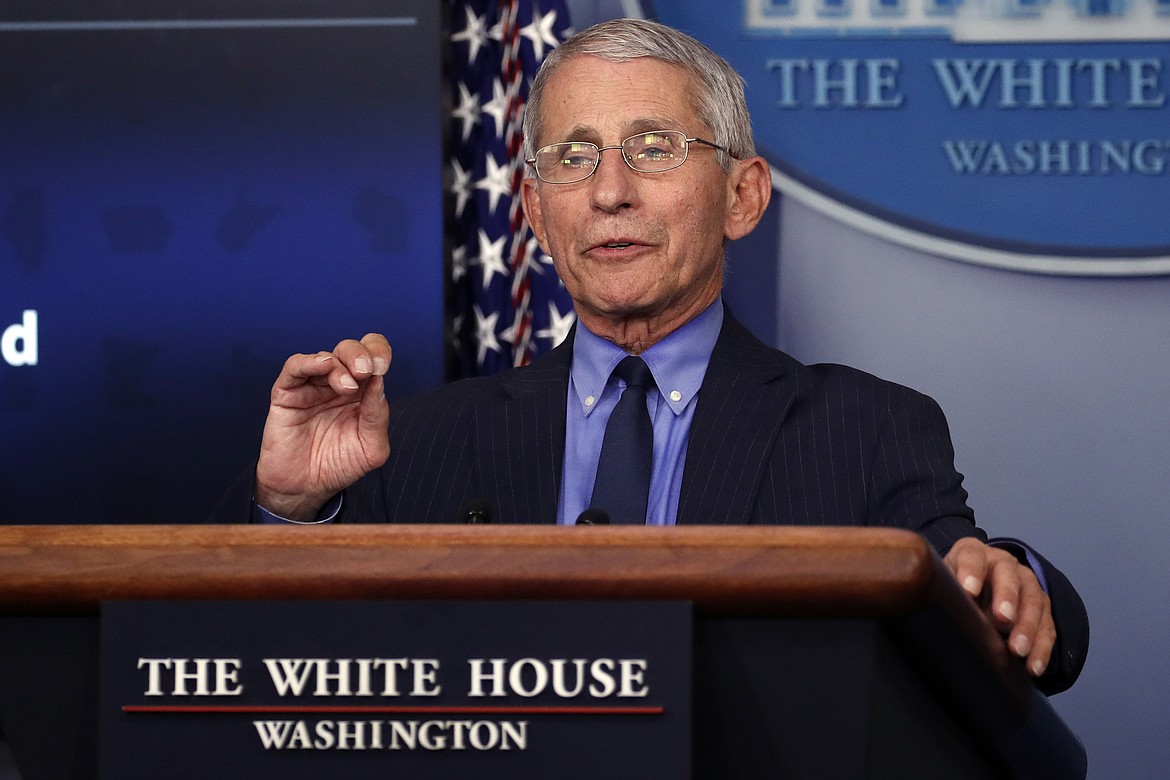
343	689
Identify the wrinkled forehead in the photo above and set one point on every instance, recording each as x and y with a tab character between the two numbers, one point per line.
588	98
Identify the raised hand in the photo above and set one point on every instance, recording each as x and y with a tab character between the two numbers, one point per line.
326	427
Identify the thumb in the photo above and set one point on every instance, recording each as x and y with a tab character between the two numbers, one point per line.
374	417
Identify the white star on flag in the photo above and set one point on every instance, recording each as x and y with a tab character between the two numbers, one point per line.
558	325
458	264
485	333
496	33
475	33
460	185
541	34
467	111
513	333
497	107
497	182
491	257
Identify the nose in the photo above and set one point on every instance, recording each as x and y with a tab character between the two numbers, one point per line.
612	185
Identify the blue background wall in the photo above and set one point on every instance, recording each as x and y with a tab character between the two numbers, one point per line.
184	208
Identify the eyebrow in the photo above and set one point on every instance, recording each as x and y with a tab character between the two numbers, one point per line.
590	134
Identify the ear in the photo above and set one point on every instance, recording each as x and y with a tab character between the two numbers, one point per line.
530	201
750	190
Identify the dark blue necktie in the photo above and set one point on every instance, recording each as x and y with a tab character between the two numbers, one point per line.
622	486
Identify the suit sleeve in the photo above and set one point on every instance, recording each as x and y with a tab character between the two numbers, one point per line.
913	481
916	486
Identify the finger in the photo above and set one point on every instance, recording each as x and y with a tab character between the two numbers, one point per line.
352	363
1034	633
1031	611
1045	641
365	358
300	369
1005	580
373	421
380	352
300	372
968	564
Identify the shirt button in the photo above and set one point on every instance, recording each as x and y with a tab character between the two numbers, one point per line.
675	396
589	400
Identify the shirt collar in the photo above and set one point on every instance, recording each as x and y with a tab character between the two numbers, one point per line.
678	362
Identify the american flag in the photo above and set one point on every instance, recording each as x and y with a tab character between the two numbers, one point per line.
505	304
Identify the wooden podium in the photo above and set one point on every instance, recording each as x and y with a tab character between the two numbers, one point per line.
819	652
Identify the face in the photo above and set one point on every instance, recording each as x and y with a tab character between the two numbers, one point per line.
628	245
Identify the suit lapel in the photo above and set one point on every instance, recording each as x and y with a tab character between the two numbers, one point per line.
743	400
520	439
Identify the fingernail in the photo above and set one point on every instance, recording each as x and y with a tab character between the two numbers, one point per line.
971	585
362	365
349	383
1037	668
324	358
1007	610
1021	646
379	366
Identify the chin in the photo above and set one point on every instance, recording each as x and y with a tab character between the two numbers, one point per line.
627	305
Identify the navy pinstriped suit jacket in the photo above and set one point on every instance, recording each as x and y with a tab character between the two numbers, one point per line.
773	441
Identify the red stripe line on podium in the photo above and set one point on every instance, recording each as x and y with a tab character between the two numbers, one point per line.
389	710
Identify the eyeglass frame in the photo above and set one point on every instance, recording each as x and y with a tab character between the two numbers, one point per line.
686	154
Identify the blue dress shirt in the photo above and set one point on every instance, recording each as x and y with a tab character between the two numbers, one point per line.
678	363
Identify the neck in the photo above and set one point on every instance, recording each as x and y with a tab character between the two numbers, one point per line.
635	333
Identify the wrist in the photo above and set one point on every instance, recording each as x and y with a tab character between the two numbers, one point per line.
298	508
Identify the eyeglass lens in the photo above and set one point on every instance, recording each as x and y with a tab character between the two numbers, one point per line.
651	152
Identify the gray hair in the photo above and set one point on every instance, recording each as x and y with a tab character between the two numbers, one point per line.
719	89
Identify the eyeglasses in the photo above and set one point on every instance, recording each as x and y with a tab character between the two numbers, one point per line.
657	151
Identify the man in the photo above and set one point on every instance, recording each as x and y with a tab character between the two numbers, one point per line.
641	166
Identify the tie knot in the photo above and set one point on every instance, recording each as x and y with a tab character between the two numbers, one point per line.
635	373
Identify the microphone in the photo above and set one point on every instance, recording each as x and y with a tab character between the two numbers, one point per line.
593	516
476	511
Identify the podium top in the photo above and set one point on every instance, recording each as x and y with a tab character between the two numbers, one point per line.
790	571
